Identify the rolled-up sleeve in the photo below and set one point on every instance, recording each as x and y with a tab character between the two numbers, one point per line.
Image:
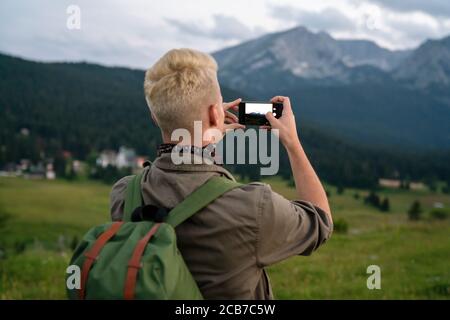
287	228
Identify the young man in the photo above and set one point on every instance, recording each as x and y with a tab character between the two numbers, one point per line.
227	244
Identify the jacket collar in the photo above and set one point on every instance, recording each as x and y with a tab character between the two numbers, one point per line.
164	162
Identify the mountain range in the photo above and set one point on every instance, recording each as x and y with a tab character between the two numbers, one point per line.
428	65
305	55
353	88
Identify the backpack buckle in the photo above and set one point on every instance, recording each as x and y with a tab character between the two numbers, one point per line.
149	213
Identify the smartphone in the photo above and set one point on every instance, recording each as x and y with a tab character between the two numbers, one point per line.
254	113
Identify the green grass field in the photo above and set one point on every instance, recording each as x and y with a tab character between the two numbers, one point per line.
42	220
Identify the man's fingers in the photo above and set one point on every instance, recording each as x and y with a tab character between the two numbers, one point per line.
233	126
277	99
229	120
286	103
232	104
231	116
271	118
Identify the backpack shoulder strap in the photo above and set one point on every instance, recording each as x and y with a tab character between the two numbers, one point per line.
133	196
199	199
193	203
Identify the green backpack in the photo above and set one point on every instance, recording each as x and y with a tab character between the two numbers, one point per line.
141	260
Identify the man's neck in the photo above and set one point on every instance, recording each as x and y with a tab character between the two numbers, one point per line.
201	144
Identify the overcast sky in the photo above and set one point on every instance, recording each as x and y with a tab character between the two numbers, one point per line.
136	32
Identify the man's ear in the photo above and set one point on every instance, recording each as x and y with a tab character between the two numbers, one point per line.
214	116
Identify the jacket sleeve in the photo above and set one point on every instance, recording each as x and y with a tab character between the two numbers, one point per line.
287	228
117	198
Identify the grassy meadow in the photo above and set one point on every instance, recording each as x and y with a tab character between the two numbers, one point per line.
40	221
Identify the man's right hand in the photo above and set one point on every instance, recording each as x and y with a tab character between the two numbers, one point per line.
287	128
307	183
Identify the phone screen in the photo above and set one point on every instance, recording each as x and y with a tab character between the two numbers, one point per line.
257	109
255	113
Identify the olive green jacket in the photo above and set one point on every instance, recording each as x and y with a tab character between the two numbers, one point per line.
227	244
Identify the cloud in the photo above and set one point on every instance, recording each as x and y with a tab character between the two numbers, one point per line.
224	27
118	35
416	30
326	19
400	27
439	8
136	33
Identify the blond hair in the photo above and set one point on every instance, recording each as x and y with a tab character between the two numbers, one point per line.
179	86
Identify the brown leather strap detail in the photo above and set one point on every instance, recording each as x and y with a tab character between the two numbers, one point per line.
93	253
135	263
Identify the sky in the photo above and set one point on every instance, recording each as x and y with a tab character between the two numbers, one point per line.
135	33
